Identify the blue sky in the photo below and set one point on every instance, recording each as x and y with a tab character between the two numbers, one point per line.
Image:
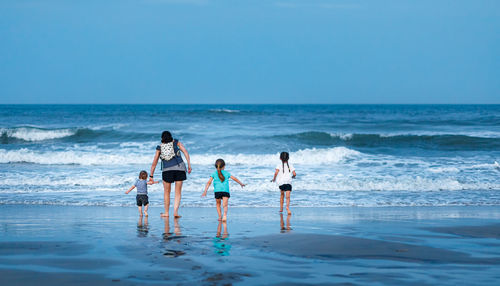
249	51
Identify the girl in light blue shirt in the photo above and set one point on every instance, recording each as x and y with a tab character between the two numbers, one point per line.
220	178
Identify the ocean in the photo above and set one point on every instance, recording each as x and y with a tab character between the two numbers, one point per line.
345	155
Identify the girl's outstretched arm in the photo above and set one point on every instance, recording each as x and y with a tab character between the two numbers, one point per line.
237	181
186	154
153	166
275	174
131	188
206	186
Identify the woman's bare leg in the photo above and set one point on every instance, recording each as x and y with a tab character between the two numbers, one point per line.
177	200
166	198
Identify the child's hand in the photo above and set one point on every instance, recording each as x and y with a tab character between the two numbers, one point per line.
293	177
242	185
204	194
273	180
126	192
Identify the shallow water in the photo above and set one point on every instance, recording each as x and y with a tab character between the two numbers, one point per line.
376	246
345	155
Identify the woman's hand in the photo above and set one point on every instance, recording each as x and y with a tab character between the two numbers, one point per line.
189	169
204	194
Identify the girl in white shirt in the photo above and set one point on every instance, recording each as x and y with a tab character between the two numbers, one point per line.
283	176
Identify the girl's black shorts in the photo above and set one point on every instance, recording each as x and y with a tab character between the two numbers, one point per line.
286	187
219	195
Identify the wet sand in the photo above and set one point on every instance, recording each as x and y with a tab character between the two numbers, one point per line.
57	245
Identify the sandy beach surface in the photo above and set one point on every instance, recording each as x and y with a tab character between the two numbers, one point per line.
62	245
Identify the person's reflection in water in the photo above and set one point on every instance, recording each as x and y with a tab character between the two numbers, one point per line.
166	233
177	228
169	237
284	228
142	228
221	241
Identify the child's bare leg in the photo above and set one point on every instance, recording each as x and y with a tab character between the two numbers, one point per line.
140	210
224	203
282	223
177	200
217	204
146	210
282	197
288	202
166	198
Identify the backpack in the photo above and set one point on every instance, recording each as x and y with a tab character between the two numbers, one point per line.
167	150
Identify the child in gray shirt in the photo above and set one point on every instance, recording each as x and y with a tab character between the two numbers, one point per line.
142	192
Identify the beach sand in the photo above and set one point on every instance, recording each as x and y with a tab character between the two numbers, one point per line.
57	245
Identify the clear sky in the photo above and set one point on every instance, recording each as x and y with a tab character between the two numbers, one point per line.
250	51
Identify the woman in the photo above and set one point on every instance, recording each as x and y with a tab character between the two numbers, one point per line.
173	169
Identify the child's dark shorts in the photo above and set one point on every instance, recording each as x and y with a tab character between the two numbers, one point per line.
219	195
173	176
142	200
286	187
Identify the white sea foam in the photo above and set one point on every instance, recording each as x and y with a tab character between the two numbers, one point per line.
224	110
305	157
36	134
444	170
483	134
85	156
25	155
480	134
343	136
113	126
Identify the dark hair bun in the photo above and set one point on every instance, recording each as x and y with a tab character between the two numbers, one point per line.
166	137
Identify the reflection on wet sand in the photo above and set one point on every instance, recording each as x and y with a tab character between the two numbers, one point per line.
175	236
142	228
284	228
221	241
167	235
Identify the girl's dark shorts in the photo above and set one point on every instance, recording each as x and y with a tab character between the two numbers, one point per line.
142	200
286	187
173	176
219	195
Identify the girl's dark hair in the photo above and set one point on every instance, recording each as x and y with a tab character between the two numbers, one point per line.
143	175
284	156
219	164
166	137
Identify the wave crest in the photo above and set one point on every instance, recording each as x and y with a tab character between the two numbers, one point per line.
110	157
444	141
31	134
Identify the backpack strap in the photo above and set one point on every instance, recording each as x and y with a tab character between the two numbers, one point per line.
176	148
